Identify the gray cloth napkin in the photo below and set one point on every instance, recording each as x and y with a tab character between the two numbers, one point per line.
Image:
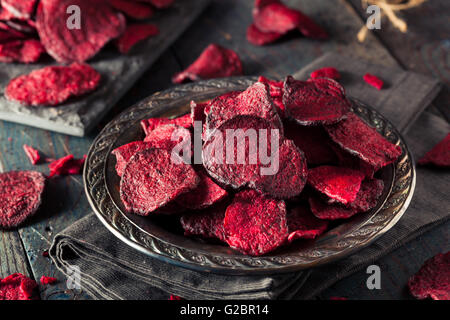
112	270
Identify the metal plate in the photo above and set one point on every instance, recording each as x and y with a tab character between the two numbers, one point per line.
165	241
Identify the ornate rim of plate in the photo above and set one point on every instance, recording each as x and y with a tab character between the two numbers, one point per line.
335	244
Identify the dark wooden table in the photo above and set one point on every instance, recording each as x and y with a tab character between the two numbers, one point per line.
424	48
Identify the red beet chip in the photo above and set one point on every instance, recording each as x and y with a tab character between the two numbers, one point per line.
133	9
214	62
313	141
317	101
53	85
206	194
323	210
255	101
255	224
346	159
67	165
32	154
134	34
24	51
439	155
169	136
17	287
199	111
433	279
151	124
302	224
100	23
326	72
124	153
368	195
206	223
152	179
7	33
276	89
374	81
160	4
173	297
355	136
341	184
48	280
21	9
21	196
260	38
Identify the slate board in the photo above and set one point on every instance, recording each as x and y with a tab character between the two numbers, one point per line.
119	73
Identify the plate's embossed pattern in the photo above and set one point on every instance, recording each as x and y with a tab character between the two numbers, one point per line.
335	244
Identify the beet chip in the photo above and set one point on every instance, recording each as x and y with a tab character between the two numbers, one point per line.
169	136
21	196
302	224
433	279
124	153
32	154
206	223
133	9
67	165
355	136
327	72
206	194
48	280
374	81
8	33
17	287
160	4
316	101
323	210
276	93
199	111
255	224
346	159
21	9
100	23
174	297
152	179
133	34
53	85
151	124
341	184
260	38
214	62
368	195
24	51
439	155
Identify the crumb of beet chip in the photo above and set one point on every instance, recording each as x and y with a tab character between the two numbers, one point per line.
45	254
327	72
174	297
48	280
32	154
374	81
438	156
67	165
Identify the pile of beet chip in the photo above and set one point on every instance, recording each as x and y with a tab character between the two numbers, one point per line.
279	161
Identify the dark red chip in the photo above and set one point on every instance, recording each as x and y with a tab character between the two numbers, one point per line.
260	38
17	287
48	280
99	24
205	195
24	51
168	136
21	9
433	279
67	165
199	111
207	223
368	195
134	34
7	33
152	179
133	9
124	153
21	196
374	81
302	224
355	136
438	156
330	211
276	89
32	154
214	62
255	224
53	85
317	101
313	141
341	184
346	159
174	297
326	72
151	124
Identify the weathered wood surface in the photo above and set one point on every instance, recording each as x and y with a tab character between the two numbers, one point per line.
224	22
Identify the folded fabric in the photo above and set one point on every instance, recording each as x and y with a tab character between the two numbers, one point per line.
112	270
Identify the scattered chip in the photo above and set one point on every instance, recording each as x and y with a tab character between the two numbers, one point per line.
152	179
214	62
302	224
151	124
134	34
439	155
174	297
17	287
133	9
326	72
24	51
368	195
48	280
260	38
21	9
66	45
32	154
374	81
67	165
207	223
341	184
21	196
355	136
53	85
255	224
316	101
124	153
330	211
433	279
